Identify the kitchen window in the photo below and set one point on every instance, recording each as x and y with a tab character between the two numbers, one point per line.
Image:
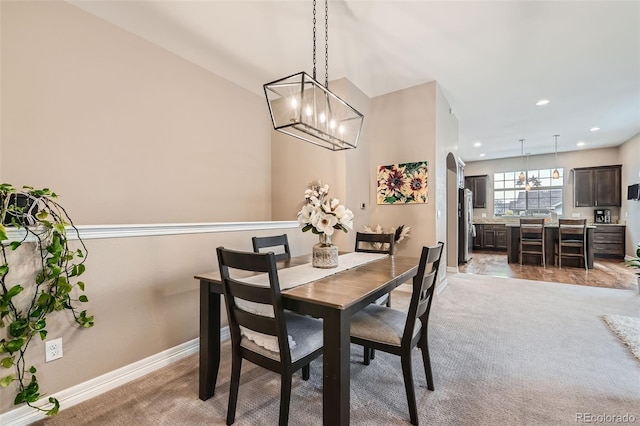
510	197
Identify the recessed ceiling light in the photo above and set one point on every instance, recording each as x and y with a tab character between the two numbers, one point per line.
542	102
482	155
594	129
477	144
581	143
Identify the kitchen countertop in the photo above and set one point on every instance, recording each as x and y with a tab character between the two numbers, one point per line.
546	225
517	223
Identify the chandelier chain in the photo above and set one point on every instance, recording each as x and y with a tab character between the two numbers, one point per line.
314	39
326	44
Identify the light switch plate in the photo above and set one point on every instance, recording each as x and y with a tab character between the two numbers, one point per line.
484	215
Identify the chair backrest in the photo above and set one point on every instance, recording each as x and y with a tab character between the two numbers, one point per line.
530	227
375	243
572	229
273	241
423	286
257	295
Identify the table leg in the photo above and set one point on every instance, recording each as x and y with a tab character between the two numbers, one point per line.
209	340
336	369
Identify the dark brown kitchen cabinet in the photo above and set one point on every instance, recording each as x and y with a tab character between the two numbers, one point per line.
477	238
597	186
478	187
609	241
493	237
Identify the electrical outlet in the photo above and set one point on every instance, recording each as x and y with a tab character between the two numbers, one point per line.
53	349
575	214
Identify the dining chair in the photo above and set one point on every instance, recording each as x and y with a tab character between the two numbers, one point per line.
398	332
572	240
306	332
532	238
376	243
273	241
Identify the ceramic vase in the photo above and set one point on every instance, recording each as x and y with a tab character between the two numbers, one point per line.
325	254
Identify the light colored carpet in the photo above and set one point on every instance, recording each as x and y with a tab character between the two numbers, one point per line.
627	329
504	352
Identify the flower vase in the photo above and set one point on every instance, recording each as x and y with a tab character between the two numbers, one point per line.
325	254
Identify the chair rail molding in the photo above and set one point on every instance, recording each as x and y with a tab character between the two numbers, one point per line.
93	232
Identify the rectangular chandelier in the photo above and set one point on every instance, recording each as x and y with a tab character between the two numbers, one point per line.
305	109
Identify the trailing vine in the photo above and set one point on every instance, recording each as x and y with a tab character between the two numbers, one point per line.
41	224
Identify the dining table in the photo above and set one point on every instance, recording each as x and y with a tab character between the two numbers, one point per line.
334	298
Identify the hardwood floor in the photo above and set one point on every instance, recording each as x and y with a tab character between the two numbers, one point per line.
610	273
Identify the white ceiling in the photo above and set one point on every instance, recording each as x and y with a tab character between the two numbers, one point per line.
493	59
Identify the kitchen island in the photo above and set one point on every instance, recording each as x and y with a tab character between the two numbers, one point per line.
550	238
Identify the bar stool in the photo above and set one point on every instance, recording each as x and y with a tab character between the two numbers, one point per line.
532	238
572	234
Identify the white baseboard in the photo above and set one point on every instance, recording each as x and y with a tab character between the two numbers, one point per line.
441	285
94	387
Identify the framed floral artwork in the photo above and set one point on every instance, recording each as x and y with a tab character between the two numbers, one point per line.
403	183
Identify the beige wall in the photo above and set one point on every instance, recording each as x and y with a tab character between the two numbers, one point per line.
403	130
568	160
630	159
446	182
128	133
145	300
125	131
628	155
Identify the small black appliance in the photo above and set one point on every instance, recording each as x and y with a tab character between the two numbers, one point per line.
602	216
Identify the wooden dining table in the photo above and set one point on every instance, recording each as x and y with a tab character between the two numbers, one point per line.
334	299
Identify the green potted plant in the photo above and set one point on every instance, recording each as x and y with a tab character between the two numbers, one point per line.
33	232
634	262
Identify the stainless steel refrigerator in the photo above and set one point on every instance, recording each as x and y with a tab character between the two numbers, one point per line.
465	225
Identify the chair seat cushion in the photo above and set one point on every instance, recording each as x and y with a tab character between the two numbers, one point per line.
306	332
381	324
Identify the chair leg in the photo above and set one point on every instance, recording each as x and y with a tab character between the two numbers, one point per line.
559	256
408	385
236	365
373	353
285	399
367	355
306	372
426	360
520	253
389	300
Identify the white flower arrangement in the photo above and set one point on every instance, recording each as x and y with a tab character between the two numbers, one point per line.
321	214
401	232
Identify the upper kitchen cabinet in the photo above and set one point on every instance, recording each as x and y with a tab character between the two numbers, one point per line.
478	186
597	186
